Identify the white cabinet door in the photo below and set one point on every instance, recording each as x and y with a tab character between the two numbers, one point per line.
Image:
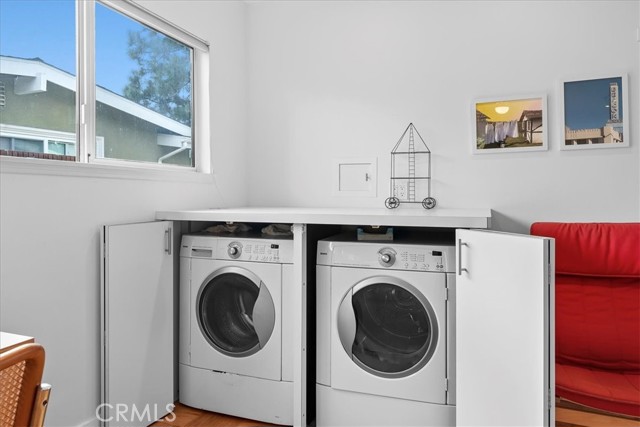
138	323
299	297
504	335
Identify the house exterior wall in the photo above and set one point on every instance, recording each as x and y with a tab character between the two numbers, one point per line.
125	136
53	109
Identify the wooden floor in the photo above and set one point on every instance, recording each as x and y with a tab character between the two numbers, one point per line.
186	416
568	414
572	418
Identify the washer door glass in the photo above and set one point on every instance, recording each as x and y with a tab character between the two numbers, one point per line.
396	332
235	312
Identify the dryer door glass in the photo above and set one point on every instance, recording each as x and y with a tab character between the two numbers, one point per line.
225	313
396	332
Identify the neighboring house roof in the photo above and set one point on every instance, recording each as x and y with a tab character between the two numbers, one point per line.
41	72
481	117
531	115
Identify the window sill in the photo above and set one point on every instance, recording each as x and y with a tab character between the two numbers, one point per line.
31	166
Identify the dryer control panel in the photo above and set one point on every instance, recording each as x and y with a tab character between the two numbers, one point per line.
392	256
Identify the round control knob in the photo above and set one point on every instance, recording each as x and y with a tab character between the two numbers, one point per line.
234	250
386	257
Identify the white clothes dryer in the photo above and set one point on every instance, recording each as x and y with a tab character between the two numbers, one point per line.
385	340
236	336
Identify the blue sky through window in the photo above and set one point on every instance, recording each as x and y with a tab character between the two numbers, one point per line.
113	65
45	29
39	29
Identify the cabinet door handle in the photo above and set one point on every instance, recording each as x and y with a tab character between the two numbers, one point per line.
167	235
460	269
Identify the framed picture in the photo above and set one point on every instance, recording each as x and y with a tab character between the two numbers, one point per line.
510	124
594	112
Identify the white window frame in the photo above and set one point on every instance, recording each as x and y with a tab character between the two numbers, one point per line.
89	145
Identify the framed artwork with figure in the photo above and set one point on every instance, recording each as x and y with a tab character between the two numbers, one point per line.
510	124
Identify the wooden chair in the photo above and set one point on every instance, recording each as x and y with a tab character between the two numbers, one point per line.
23	398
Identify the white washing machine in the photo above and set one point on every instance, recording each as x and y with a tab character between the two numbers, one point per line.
236	333
385	319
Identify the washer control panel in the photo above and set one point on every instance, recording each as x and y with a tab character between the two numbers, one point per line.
412	257
429	260
255	251
277	251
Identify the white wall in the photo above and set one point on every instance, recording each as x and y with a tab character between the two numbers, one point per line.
344	79
49	254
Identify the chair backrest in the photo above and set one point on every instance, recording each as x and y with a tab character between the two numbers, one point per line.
23	398
597	293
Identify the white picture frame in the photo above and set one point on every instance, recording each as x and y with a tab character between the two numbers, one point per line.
594	112
509	124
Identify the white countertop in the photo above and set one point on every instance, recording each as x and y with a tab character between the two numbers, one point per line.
409	217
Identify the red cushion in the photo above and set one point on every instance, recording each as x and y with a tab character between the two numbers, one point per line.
604	390
598	322
594	249
597	309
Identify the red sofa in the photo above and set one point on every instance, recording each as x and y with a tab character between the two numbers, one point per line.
597	312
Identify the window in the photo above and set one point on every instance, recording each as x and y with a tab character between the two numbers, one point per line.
134	85
38	75
143	91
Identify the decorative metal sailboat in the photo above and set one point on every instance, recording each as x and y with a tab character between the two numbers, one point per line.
410	171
